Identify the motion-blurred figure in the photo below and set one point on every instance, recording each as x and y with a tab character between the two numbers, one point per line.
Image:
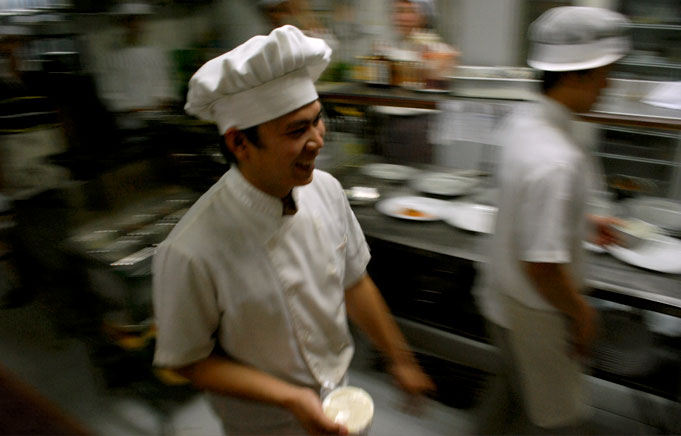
414	22
539	318
135	76
297	13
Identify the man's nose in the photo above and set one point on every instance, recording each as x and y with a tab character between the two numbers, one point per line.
316	139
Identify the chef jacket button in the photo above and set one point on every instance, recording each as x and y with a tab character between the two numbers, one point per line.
332	269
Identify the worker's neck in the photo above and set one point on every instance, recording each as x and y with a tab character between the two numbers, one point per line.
567	97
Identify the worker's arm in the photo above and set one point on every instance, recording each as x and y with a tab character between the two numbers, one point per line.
367	308
219	374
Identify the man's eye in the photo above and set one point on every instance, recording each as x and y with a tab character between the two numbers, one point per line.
296	133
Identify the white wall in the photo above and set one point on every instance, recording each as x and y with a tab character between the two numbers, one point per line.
489	32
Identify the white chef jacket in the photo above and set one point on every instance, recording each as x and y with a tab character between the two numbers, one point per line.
544	178
268	288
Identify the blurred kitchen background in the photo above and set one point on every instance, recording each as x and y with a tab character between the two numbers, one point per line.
98	161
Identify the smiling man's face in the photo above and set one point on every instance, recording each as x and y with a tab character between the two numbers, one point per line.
287	151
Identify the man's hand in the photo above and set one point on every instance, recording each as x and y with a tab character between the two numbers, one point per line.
603	233
306	406
414	382
411	378
584	328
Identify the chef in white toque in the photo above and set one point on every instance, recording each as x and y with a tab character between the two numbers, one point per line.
253	288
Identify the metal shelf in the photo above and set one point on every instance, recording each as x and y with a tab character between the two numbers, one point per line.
641	132
674	66
655	26
639	159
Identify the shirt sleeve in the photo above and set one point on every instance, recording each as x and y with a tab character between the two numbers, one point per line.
357	254
543	225
185	308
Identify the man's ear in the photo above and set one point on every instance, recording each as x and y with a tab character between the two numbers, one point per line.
236	143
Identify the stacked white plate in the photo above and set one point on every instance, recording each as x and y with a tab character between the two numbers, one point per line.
444	184
389	172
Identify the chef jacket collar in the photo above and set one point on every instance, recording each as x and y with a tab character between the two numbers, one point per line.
559	115
256	200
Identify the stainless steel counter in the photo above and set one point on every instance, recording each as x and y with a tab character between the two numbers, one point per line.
610	278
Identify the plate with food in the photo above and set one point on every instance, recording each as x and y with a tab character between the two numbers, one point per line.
413	208
390	172
444	184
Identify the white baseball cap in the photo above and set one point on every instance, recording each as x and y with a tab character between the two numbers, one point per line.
571	38
260	80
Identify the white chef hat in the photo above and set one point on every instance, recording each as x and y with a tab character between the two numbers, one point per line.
571	38
260	80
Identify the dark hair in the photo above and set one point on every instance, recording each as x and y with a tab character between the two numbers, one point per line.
251	135
551	78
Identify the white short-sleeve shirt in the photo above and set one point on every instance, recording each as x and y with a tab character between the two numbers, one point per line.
268	288
544	177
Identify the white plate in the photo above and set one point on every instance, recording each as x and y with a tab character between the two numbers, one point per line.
594	248
397	111
661	253
444	184
428	90
429	209
358	195
391	172
660	212
473	217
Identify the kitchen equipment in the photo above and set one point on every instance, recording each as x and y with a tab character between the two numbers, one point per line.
444	184
362	195
389	172
492	82
629	186
663	213
413	208
624	346
473	217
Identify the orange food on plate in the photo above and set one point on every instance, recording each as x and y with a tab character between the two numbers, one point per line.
414	213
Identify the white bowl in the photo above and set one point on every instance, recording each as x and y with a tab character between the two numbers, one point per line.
351	406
